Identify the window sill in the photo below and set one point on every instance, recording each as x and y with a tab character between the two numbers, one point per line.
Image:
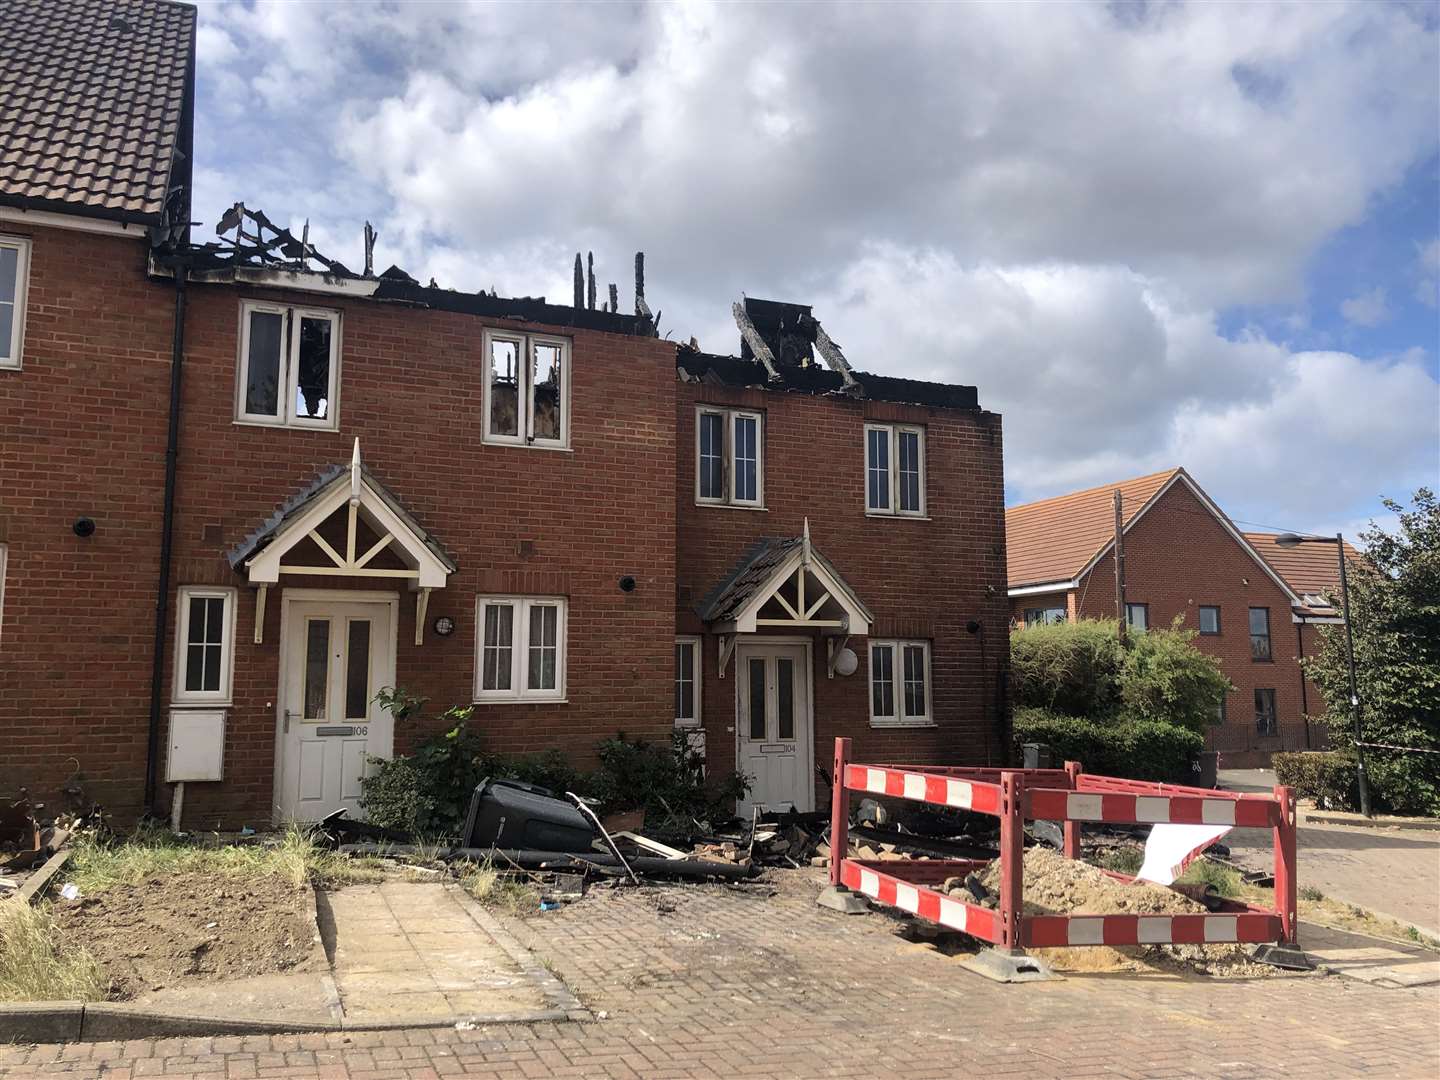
731	506
191	703
902	725
520	701
274	425
527	446
882	516
7	366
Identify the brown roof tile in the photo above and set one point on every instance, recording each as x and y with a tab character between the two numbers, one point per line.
1054	539
1306	568
82	78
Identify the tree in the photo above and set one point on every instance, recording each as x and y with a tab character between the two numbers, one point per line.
1395	623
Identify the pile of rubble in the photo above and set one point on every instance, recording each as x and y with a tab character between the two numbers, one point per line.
33	844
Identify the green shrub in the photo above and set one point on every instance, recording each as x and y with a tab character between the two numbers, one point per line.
428	792
1328	777
1166	678
1138	749
1069	668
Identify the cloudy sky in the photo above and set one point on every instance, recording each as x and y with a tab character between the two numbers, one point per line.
1150	233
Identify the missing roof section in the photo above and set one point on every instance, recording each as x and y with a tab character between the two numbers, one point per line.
786	336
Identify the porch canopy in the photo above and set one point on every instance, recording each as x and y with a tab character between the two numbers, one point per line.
785	585
344	524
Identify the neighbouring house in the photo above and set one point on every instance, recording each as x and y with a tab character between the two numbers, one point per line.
244	487
1254	605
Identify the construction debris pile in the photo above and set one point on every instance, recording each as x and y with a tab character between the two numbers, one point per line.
33	844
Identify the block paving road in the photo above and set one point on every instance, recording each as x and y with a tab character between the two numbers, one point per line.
715	982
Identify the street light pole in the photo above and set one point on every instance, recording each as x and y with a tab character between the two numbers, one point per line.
1288	540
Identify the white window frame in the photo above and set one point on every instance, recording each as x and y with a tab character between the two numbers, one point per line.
287	415
525	420
729	473
520	648
691	642
225	694
892	491
21	245
899	718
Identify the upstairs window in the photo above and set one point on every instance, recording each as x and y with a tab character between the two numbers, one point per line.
289	366
1035	616
521	649
894	469
14	277
1137	617
899	683
1259	633
729	457
204	645
1209	620
687	681
527	390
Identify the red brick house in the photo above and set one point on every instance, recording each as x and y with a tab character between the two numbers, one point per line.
243	488
1256	606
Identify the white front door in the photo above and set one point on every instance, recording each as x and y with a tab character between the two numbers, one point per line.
775	726
338	654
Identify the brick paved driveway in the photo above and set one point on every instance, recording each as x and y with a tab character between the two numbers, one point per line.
709	982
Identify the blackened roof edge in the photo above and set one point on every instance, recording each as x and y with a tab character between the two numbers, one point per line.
734	371
527	308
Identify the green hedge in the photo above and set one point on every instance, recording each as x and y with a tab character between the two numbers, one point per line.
1325	776
1133	748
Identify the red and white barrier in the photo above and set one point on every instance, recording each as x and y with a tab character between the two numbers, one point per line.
1071	797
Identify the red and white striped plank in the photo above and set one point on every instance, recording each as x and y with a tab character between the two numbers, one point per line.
918	900
924	787
1043	931
1052	804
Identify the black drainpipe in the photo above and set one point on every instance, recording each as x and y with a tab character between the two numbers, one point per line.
167	538
1304	695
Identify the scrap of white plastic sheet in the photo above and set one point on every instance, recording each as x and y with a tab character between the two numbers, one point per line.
1170	848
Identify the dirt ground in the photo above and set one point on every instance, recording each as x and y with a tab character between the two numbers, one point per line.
187	929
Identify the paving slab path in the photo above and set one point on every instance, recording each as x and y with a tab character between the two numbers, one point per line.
715	982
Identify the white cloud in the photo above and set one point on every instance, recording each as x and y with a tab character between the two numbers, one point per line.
1427	288
1367	309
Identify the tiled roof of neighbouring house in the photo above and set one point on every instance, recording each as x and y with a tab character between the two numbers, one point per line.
1055	539
1311	570
93	96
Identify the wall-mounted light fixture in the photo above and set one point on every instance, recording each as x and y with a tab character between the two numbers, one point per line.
83	527
444	626
627	584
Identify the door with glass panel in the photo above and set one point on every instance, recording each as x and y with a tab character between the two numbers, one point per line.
775	729
337	656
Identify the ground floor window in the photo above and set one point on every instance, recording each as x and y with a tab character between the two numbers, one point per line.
1265	723
205	644
520	648
1137	617
1037	616
687	681
899	683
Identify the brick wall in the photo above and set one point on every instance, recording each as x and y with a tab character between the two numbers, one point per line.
82	433
919	578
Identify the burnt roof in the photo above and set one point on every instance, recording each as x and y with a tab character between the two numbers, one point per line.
94	105
527	308
696	366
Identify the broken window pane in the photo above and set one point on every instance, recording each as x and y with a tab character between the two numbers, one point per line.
504	387
785	696
712	456
747	462
204	643
908	453
499	630
262	363
877	469
882	680
757	697
317	667
543	646
915	681
549	392
312	382
357	671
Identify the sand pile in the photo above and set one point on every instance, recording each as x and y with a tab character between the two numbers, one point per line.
1055	885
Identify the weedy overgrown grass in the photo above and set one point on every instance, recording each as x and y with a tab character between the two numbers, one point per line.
494	889
38	964
1224	879
100	864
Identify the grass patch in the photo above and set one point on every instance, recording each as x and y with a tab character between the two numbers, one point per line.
494	889
38	964
1225	881
1309	892
98	865
1122	860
